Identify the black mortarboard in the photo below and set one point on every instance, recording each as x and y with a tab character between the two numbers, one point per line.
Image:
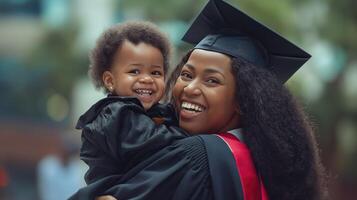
222	28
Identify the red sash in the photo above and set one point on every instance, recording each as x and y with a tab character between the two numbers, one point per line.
253	188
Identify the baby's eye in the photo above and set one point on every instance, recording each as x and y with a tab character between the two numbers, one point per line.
134	71
156	73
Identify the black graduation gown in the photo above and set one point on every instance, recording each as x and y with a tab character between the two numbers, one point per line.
117	133
132	158
197	167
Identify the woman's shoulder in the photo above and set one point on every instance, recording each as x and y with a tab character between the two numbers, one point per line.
207	151
194	149
199	147
200	143
215	155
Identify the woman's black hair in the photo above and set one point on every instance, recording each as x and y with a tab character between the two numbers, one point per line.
276	131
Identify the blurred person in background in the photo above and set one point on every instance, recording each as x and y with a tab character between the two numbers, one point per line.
59	176
3	182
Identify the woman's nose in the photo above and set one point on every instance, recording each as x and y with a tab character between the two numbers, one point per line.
192	89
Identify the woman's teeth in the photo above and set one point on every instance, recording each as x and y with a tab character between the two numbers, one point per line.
192	107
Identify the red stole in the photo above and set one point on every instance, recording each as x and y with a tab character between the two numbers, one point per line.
253	188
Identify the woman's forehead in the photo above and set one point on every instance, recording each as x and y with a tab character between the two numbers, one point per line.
209	53
209	60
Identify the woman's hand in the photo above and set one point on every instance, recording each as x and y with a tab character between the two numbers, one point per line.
105	197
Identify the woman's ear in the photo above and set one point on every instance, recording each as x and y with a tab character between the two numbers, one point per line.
108	80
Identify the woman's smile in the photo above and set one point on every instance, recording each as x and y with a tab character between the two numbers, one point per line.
189	110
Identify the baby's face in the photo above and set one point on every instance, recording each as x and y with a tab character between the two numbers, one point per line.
138	70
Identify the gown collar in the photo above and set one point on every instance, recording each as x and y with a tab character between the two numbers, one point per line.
238	133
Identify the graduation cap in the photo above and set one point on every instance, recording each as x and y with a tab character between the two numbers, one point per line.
223	28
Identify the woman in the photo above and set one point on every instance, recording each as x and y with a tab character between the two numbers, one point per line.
228	92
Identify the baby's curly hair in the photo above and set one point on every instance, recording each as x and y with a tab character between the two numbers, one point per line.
101	57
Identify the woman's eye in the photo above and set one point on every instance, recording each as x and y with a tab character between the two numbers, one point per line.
185	75
134	71
213	81
156	73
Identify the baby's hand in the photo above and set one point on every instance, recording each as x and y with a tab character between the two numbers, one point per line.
105	197
158	120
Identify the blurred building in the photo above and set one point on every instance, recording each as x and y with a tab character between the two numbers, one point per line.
34	112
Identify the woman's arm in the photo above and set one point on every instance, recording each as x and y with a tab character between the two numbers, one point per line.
197	167
119	138
179	171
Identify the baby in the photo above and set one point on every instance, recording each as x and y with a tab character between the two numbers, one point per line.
131	59
129	62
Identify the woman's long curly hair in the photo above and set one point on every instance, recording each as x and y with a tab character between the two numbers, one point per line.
276	131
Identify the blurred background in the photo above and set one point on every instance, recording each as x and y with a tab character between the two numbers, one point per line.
44	86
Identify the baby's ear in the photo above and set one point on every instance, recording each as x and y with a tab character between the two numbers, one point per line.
108	80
